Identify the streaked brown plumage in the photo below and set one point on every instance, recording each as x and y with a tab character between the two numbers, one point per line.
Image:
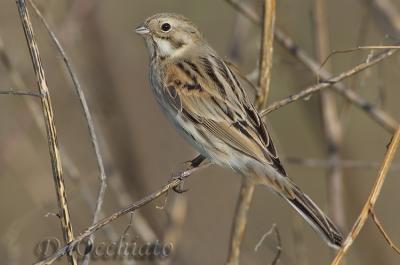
203	97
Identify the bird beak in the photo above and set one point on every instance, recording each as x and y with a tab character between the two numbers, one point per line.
141	30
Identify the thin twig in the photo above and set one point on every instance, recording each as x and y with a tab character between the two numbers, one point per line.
266	54
20	93
278	247
176	181
265	236
383	232
359	48
273	229
370	203
377	114
50	126
89	121
331	122
19	84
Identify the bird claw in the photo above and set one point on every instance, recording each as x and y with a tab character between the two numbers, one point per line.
179	189
195	162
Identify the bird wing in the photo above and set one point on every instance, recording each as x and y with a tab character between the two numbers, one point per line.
208	92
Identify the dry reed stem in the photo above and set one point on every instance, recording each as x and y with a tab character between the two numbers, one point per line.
247	186
176	181
89	121
330	118
50	127
370	203
240	220
266	53
374	112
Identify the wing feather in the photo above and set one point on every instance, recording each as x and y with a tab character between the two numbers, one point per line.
210	91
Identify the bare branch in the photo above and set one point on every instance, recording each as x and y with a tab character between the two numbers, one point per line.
370	203
50	126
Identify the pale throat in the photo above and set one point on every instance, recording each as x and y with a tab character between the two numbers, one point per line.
167	49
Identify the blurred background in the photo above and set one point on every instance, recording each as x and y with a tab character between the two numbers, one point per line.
142	150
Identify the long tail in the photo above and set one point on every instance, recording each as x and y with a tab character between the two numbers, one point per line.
313	215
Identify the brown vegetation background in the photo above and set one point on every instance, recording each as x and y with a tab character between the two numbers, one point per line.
142	149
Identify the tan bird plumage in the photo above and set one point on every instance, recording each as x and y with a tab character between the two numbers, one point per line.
203	97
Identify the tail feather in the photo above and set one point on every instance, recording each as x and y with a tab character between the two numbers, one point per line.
315	217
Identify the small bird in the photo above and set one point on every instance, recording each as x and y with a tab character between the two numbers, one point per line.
204	98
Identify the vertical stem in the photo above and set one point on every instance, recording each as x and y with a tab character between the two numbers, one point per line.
331	121
240	221
50	127
247	186
266	52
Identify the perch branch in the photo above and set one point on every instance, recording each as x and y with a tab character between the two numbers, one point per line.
88	117
372	198
176	181
50	126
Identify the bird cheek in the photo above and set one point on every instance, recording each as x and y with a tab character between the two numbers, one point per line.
164	46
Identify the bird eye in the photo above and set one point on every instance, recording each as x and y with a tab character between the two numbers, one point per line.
165	27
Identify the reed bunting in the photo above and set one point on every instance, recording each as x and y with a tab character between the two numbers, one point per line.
204	98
